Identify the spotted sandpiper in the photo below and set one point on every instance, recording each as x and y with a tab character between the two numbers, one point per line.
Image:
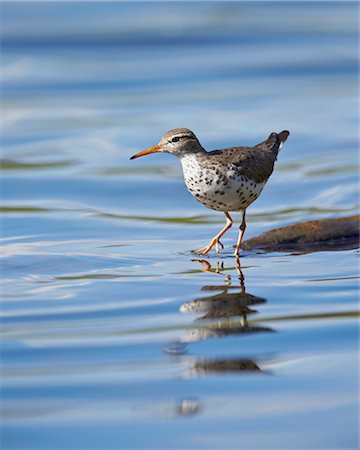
225	180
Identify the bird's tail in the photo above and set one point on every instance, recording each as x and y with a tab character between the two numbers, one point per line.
275	141
283	136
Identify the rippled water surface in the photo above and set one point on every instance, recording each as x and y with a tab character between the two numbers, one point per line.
114	335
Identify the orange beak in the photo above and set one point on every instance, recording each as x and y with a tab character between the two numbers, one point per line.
154	149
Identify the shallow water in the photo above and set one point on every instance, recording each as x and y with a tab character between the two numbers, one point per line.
114	335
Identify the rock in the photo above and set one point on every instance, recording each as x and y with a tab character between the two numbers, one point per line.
310	236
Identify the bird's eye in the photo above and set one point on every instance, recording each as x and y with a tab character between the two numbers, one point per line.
175	139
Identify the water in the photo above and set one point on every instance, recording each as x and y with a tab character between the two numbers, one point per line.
113	335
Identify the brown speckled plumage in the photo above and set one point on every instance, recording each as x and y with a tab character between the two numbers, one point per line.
225	180
255	163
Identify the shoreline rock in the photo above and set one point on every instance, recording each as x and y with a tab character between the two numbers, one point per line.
310	236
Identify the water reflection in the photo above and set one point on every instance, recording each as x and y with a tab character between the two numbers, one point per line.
184	407
211	366
224	313
229	302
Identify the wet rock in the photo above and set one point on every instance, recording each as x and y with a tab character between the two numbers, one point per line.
313	235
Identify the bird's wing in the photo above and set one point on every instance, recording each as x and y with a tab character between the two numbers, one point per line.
256	162
250	162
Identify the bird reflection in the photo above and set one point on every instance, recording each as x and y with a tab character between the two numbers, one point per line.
208	366
222	313
227	303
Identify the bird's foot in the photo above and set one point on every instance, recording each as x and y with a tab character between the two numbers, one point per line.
217	244
205	250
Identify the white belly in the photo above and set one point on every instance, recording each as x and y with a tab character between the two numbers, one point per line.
221	193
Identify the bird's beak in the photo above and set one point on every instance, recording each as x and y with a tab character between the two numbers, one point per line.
154	149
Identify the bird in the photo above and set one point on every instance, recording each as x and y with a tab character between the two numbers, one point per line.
227	180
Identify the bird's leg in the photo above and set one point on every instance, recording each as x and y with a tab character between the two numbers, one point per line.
241	233
216	240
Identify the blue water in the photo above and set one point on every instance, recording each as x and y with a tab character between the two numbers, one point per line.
113	335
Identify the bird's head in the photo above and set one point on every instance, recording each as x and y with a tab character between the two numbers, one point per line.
178	142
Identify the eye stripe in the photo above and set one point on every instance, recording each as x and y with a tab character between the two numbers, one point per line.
177	138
